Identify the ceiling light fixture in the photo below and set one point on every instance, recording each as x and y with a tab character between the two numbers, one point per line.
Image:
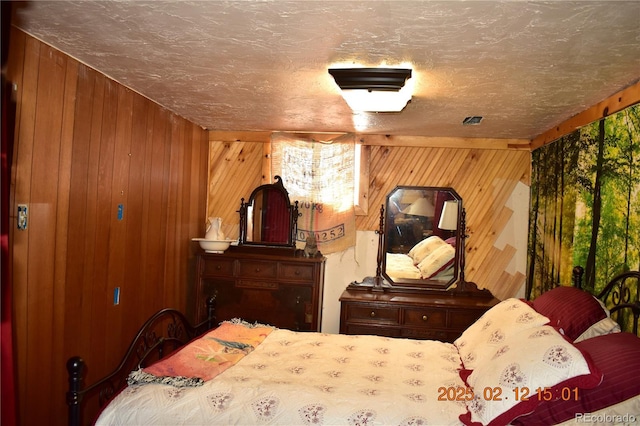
374	89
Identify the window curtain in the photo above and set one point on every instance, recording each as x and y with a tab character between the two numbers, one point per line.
585	204
320	176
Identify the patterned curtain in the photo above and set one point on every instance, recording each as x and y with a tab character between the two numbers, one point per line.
585	204
320	176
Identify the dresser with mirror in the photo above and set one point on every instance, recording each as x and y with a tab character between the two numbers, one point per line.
419	290
263	278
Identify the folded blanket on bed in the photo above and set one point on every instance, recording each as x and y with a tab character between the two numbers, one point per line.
204	358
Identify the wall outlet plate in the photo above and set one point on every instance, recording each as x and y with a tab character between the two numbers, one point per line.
23	216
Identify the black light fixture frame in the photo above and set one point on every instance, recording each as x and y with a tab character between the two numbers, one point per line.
380	79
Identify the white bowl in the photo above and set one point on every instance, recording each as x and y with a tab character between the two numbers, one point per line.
213	246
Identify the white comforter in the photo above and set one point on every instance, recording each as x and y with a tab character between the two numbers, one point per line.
310	378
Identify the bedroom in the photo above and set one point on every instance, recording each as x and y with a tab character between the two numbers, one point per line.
72	188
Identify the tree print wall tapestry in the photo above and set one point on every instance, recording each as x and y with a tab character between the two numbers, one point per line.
585	204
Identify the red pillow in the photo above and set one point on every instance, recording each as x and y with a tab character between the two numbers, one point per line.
570	309
616	356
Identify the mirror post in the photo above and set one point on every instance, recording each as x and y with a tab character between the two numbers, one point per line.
243	222
463	237
377	283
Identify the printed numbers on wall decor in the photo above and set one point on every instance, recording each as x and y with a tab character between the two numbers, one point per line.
325	235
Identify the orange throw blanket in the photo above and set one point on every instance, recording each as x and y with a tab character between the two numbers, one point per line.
204	358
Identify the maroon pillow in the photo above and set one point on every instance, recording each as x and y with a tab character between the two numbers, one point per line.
570	309
616	356
451	241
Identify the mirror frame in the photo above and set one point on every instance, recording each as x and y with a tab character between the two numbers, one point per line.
388	224
292	213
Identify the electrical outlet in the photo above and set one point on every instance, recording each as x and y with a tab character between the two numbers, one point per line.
23	216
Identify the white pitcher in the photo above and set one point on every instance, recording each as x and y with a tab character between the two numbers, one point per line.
214	229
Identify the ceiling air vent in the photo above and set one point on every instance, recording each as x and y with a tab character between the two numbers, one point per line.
469	121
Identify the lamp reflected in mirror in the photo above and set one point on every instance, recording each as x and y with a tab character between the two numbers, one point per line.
449	216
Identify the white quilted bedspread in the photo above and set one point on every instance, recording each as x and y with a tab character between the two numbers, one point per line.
309	378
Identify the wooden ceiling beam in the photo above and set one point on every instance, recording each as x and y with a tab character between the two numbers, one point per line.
621	100
384	140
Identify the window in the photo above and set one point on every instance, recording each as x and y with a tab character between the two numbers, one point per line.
324	176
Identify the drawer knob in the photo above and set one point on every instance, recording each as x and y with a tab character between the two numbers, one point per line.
257	269
218	267
424	318
373	314
297	272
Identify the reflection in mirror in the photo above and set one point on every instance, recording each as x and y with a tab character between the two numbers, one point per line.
268	218
420	237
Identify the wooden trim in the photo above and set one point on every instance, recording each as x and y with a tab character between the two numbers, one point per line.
611	105
362	205
383	140
445	142
267	170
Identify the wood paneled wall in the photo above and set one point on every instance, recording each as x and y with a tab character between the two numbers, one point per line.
485	179
86	145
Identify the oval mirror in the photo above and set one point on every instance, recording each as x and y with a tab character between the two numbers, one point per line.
268	218
420	237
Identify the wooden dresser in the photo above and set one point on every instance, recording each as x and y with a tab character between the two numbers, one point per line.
419	315
281	290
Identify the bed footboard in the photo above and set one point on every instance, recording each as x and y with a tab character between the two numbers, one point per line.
163	333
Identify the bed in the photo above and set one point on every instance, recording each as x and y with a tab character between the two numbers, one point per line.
521	363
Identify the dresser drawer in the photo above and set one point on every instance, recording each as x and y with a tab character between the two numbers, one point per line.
257	269
461	319
371	314
371	330
425	317
218	267
296	272
427	334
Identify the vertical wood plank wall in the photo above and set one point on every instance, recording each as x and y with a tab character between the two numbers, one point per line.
484	178
84	146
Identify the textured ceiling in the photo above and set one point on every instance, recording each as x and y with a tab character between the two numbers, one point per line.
262	65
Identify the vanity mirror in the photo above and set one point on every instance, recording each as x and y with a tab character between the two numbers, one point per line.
268	218
420	237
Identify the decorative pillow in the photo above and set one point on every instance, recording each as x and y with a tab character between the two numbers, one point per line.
616	356
438	261
528	368
425	247
570	309
602	327
481	339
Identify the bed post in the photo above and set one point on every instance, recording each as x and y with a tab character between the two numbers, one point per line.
75	367
578	272
211	312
